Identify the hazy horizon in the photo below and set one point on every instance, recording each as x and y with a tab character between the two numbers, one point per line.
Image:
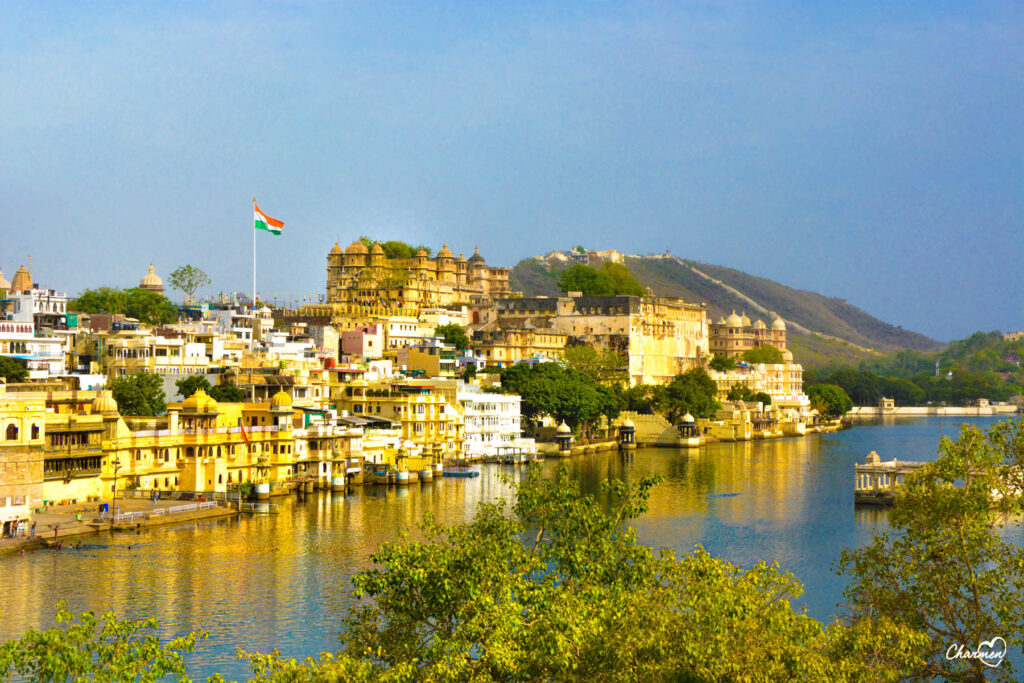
870	152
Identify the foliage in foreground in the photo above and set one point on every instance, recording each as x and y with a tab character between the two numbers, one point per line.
102	649
555	586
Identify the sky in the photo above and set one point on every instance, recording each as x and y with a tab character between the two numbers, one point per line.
869	151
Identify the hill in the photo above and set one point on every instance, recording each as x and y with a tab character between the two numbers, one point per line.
822	329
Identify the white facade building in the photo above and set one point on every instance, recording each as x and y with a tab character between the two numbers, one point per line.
493	423
43	356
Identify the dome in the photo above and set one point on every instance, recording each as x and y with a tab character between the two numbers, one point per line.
745	320
199	402
734	320
778	324
627	423
336	249
408	445
462	258
787	356
688	418
281	400
445	252
422	253
151	280
476	257
759	325
377	249
104	403
356	247
4	284
22	280
721	321
563	429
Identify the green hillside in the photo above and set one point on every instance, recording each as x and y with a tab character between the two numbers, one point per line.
822	330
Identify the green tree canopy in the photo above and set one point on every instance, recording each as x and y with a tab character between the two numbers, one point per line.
610	280
945	569
188	279
395	249
227	393
763	354
691	392
191	384
600	365
561	392
453	334
11	370
830	400
139	395
722	363
145	306
740	392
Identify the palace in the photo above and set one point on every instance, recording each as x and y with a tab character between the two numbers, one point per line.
364	278
733	335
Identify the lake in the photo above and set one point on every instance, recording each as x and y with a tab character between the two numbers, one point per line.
267	581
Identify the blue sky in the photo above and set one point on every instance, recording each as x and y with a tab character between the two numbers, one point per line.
868	151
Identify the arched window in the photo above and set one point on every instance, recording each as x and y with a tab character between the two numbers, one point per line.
12	432
35	432
189	452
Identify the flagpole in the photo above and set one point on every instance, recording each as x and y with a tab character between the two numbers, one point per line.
252	332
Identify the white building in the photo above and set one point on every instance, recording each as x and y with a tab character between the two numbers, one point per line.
493	423
43	356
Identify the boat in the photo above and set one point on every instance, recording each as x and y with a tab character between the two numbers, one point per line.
460	471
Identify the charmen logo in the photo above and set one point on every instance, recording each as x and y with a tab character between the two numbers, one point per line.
989	652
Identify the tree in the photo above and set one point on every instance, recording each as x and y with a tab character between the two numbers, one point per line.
763	354
11	370
85	647
148	307
578	599
647	399
830	400
191	384
589	281
453	334
692	392
600	365
139	395
188	279
227	393
740	392
611	280
944	570
722	363
762	398
623	280
563	393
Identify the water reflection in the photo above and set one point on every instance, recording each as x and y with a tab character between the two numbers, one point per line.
280	580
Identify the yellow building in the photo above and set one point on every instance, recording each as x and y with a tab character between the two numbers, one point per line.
200	446
658	337
503	347
365	279
735	334
427	418
22	434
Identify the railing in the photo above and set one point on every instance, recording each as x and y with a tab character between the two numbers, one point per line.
178	509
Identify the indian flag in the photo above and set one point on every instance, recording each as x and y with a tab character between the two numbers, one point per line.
265	222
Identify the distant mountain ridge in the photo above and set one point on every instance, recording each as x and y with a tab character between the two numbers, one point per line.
819	325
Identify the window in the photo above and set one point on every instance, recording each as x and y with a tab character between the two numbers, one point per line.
12	432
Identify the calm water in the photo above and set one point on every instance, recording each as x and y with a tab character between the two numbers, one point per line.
280	580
